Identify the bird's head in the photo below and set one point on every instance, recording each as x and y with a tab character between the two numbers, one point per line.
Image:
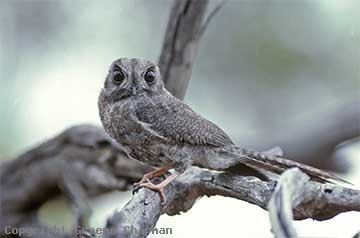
131	77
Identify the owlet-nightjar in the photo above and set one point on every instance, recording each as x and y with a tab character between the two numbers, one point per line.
156	128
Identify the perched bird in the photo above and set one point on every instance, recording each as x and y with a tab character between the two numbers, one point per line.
156	128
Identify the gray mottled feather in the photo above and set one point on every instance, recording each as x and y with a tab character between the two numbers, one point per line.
177	122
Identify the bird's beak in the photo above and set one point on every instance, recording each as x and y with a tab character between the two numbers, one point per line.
134	90
123	93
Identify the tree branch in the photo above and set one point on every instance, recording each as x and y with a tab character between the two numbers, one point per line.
288	194
315	200
180	44
296	193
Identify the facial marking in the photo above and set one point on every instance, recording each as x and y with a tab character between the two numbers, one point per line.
128	77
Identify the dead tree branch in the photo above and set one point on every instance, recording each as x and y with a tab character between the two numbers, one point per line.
317	201
287	195
180	44
323	201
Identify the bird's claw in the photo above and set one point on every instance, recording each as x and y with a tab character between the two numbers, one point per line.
137	185
155	187
136	188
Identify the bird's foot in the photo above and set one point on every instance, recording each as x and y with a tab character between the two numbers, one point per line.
150	175
159	188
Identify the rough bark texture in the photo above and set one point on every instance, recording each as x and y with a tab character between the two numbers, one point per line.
83	162
313	200
323	201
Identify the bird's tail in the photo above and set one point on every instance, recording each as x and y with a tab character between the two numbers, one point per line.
269	163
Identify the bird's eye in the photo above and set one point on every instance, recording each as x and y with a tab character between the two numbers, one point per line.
118	77
149	76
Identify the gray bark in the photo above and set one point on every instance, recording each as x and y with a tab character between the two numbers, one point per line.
323	201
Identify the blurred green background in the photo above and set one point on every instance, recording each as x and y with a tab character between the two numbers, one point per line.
267	72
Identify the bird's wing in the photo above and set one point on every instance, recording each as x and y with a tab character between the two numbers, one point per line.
178	123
